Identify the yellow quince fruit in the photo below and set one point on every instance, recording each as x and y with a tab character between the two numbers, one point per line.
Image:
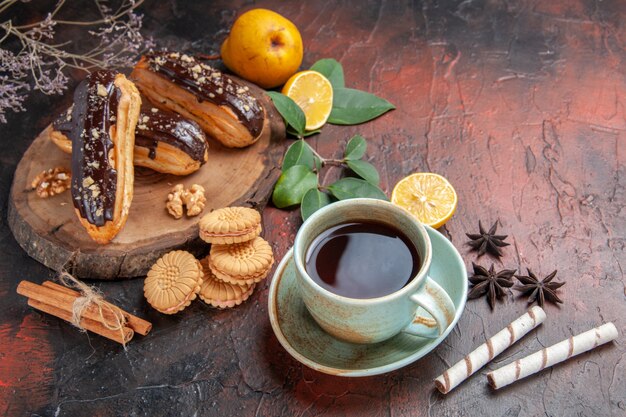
263	47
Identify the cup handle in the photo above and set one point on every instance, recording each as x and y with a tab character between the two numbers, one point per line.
432	298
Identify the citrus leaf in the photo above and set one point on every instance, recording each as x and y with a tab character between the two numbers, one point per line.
291	112
292	185
331	69
365	170
347	188
355	149
306	134
312	201
299	153
351	107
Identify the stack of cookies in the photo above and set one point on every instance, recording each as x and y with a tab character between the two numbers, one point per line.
239	257
238	260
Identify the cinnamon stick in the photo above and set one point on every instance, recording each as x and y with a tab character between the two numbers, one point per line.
122	337
138	324
65	302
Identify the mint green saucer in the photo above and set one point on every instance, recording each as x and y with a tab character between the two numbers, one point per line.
301	336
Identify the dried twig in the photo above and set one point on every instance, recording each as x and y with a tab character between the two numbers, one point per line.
38	63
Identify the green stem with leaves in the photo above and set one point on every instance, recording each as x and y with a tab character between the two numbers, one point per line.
299	182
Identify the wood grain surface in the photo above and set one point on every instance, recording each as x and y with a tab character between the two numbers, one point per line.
48	228
519	104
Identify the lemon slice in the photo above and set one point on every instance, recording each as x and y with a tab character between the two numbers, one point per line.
314	94
429	197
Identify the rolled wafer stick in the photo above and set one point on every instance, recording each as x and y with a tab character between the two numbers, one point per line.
552	355
138	324
484	353
122	337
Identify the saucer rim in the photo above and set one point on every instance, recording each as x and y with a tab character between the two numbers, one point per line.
282	339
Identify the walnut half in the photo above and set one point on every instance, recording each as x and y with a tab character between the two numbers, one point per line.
174	203
193	198
51	182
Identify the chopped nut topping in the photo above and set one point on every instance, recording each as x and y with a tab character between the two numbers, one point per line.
186	58
87	182
95	133
102	91
51	182
154	110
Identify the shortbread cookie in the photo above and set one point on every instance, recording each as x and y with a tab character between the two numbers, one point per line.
222	294
173	282
230	225
242	263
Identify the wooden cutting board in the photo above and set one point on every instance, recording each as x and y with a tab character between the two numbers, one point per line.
50	232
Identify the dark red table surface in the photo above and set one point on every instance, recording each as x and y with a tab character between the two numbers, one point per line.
521	105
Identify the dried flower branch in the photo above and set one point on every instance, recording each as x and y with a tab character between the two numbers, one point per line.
39	64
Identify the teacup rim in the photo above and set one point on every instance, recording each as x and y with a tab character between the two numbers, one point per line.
409	288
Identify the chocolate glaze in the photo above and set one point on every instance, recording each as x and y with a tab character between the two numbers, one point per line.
160	126
63	123
94	182
153	127
209	84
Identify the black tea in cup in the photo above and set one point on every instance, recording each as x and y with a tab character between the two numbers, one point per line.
362	260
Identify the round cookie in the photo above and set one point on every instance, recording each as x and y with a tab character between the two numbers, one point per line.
242	263
173	282
221	294
230	225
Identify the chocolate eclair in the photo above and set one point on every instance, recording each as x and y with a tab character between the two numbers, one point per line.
102	130
164	141
222	105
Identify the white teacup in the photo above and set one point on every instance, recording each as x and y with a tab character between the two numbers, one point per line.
371	320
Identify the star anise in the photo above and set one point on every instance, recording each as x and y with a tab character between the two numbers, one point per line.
539	290
490	282
487	241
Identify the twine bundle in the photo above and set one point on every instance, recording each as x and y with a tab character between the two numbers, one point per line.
90	295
